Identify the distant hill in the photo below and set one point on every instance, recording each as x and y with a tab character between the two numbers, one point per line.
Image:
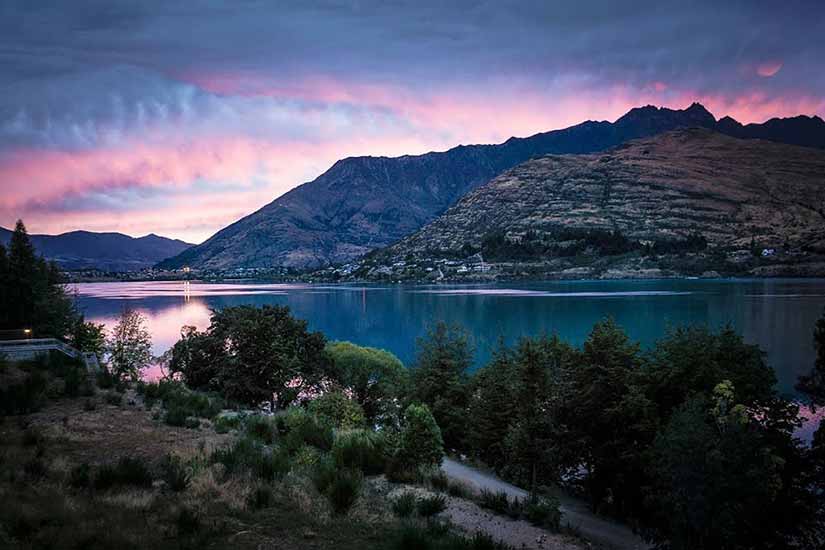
364	203
105	251
701	198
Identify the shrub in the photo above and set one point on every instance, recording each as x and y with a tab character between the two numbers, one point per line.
362	449
495	501
249	455
420	442
260	498
187	521
338	410
404	505
127	471
192	423
544	512
224	423
32	437
80	477
261	428
114	398
458	489
23	397
323	473
105	380
176	474
431	505
35	468
89	405
175	417
439	481
73	380
344	490
299	427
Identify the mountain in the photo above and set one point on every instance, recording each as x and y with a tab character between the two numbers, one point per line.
686	200
364	203
104	251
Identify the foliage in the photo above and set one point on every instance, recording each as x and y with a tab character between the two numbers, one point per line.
297	427
80	477
261	497
32	295
813	383
251	355
87	336
497	501
23	397
404	505
129	346
376	378
360	449
439	379
420	443
175	473
338	410
261	428
344	489
431	505
544	512
249	455
127	471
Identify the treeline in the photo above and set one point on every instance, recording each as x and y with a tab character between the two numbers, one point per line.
569	242
689	442
33	297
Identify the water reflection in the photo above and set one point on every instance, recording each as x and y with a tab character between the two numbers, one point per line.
776	314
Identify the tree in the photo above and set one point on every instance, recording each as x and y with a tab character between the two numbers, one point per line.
492	405
376	378
32	294
87	336
439	379
254	354
813	384
605	418
338	410
129	346
420	442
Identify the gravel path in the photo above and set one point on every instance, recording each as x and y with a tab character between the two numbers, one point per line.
603	532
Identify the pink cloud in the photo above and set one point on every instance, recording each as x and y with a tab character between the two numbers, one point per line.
768	68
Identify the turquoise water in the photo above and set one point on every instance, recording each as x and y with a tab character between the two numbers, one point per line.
777	314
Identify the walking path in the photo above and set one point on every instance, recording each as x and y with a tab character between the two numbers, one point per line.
603	532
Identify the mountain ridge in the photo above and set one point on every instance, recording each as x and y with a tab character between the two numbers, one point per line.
685	201
364	203
107	251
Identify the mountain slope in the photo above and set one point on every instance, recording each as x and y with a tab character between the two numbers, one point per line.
364	203
738	195
105	251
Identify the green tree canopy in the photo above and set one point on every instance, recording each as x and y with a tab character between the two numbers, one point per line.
376	378
338	410
254	354
129	346
440	378
420	442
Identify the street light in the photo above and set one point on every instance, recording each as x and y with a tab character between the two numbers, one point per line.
27	332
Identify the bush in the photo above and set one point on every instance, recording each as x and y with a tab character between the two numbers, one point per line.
32	437
127	471
23	397
431	505
439	481
495	501
344	490
362	449
544	512
80	477
175	417
187	521
338	410
248	455
299	428
459	489
261	428
323	473
114	398
420	443
89	405
404	505
35	468
176	474
260	498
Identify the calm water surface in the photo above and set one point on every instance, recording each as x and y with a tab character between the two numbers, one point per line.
776	314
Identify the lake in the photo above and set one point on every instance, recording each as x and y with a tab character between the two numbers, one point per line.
776	314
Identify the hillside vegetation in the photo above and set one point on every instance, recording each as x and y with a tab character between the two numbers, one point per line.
683	202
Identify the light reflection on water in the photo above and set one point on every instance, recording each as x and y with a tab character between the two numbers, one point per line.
777	314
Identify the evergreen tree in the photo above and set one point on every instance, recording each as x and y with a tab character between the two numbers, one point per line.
440	379
492	407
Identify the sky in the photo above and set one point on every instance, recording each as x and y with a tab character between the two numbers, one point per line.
178	118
